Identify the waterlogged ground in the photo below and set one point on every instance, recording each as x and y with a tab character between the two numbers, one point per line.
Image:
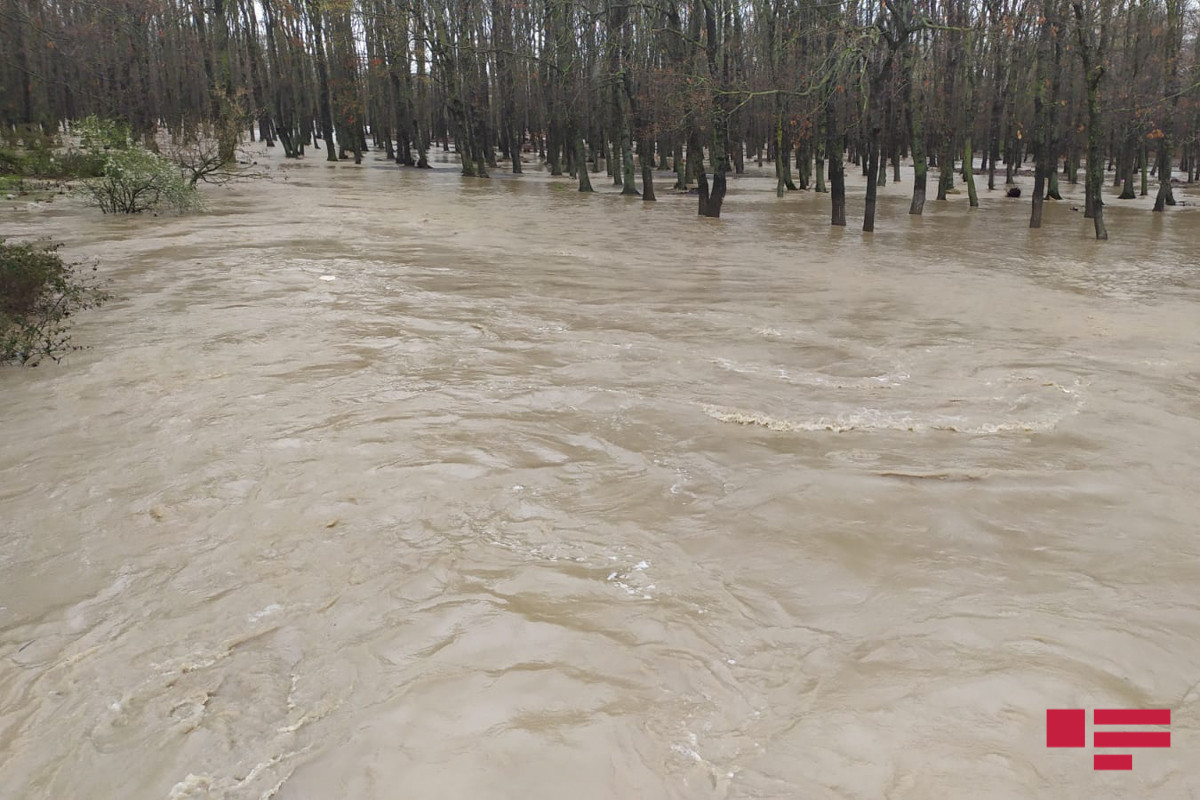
546	495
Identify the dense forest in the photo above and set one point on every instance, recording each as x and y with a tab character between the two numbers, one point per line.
1098	91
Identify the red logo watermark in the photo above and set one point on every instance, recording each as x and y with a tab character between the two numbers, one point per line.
1067	727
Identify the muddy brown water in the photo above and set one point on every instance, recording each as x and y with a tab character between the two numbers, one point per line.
547	495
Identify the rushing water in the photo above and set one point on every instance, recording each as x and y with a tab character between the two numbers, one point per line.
548	495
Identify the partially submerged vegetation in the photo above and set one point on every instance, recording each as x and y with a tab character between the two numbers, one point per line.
39	295
135	179
30	153
132	178
116	171
697	87
137	117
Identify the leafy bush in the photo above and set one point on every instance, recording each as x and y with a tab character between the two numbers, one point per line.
50	165
38	295
136	180
97	135
73	164
120	175
10	162
131	179
41	159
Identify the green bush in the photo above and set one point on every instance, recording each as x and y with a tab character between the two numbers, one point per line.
136	180
119	175
66	166
41	158
98	135
10	162
51	164
36	137
38	295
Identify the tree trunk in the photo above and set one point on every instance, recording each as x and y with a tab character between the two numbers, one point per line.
819	169
920	165
718	69
837	174
1092	52
1041	137
1052	192
1129	167
1165	196
323	101
946	167
969	172
1173	44
696	167
585	181
872	183
1039	183
646	154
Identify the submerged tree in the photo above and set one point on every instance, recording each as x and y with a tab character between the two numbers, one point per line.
696	87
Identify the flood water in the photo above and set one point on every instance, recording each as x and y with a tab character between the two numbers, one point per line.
561	496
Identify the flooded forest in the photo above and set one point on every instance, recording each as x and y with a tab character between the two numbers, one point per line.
678	399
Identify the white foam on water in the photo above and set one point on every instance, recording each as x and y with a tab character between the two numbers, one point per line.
266	612
875	420
805	377
633	581
193	787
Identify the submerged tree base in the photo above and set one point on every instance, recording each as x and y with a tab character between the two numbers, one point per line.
39	293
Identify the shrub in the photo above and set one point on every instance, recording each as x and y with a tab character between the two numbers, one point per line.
36	137
38	295
73	164
46	163
120	176
10	162
50	165
136	180
97	135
